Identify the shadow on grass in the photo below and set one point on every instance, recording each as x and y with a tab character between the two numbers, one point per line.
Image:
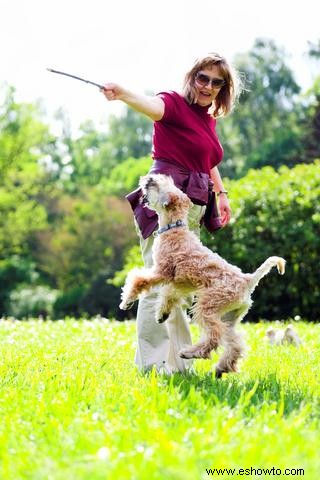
234	392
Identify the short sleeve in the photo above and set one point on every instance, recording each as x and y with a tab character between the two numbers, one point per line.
171	106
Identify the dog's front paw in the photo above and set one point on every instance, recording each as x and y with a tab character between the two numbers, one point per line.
193	352
126	304
188	353
185	353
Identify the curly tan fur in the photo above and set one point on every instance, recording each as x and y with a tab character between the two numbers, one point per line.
182	265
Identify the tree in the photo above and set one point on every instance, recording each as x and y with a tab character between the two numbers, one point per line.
311	113
83	249
81	161
125	177
314	50
22	135
92	155
130	135
263	129
22	178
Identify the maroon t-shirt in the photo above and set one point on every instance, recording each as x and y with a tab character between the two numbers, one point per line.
186	134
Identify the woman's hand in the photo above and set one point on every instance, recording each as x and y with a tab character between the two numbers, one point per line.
224	209
113	91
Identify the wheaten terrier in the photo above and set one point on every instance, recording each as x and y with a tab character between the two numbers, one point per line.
182	265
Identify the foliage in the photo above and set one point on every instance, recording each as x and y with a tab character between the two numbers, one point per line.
311	123
21	137
314	49
133	259
73	406
73	163
32	301
83	249
130	135
14	270
69	302
125	177
89	158
266	119
276	213
101	297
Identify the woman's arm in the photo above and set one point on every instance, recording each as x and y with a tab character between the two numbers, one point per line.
217	180
152	107
224	205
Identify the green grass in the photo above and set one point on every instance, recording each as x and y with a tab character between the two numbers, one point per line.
73	406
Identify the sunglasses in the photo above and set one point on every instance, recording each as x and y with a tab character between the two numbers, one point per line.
205	80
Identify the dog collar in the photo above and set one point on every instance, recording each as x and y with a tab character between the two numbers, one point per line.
178	223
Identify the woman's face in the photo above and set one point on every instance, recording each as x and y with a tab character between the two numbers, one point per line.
208	83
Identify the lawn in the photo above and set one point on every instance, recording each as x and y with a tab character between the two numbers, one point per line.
73	406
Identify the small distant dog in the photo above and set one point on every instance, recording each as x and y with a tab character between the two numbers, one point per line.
182	265
281	337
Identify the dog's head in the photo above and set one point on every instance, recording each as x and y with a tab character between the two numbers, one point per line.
160	193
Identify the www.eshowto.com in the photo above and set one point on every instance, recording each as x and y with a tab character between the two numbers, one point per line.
255	471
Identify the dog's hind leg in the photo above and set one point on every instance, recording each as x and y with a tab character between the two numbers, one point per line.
138	281
234	347
213	331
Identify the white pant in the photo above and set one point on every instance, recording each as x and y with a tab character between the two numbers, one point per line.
158	344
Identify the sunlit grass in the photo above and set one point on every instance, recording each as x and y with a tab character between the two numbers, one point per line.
73	406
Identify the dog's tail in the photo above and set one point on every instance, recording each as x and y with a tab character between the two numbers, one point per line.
265	268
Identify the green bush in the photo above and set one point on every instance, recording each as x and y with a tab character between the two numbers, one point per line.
133	259
68	303
14	271
125	177
32	301
276	213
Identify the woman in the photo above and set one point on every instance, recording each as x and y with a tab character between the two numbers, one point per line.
186	146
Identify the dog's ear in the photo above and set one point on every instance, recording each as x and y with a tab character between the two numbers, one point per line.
164	199
170	199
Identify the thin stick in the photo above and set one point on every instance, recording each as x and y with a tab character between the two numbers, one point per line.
77	78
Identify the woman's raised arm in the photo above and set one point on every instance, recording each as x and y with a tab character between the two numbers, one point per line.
152	107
